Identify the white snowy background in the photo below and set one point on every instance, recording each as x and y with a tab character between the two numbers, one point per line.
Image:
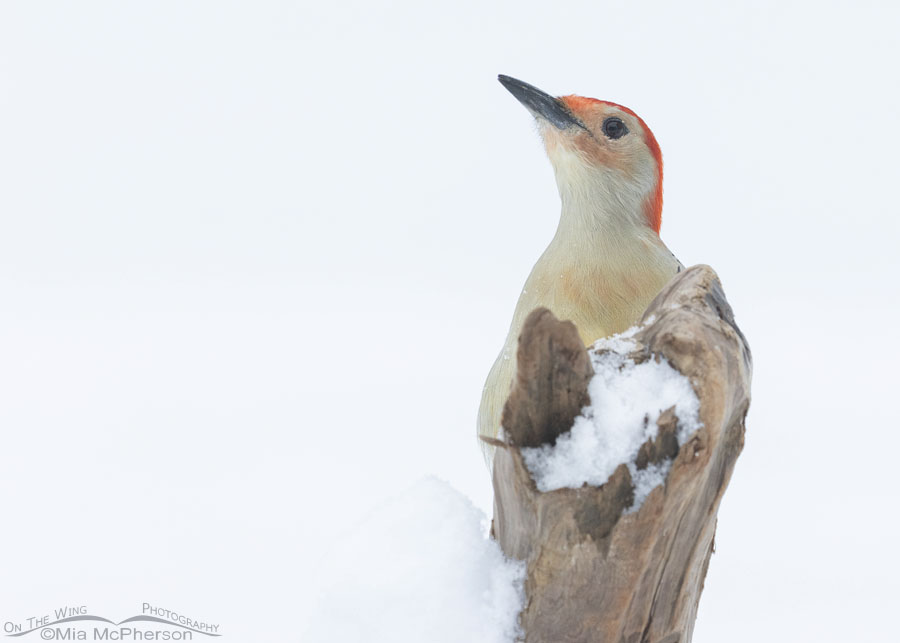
256	259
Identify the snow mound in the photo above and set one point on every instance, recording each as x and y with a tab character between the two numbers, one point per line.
420	569
626	401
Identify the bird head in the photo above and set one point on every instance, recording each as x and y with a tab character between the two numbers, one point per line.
603	154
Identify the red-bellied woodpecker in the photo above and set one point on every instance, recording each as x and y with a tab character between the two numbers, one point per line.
606	262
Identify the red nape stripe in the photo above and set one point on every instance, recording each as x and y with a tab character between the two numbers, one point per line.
653	206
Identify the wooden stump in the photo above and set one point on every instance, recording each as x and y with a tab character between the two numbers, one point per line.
595	573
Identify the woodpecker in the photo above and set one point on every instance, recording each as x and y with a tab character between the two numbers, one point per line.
606	261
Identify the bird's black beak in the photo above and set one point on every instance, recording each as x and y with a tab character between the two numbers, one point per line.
541	103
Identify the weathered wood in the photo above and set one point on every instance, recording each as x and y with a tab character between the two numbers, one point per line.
552	376
595	573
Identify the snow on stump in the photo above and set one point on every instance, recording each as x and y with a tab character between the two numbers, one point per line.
614	464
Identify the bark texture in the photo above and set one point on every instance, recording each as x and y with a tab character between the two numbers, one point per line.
596	574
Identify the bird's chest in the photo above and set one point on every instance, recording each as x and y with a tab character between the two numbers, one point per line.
601	300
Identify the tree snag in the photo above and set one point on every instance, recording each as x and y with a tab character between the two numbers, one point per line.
595	572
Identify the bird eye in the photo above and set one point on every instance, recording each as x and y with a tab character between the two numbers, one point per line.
614	127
